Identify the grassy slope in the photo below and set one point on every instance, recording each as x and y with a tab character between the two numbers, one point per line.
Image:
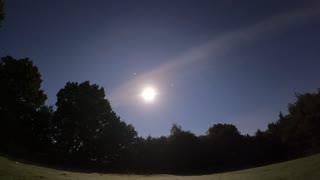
305	168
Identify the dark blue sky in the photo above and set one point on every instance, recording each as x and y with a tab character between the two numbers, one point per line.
228	61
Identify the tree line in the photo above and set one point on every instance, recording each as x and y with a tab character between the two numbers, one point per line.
83	132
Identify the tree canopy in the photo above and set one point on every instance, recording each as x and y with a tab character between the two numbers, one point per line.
83	131
86	127
2	14
21	99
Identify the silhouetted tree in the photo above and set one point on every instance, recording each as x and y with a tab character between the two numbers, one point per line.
265	148
149	155
299	129
183	149
41	131
224	145
21	100
305	114
2	14
86	129
85	132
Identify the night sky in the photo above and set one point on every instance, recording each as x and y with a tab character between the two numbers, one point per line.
227	61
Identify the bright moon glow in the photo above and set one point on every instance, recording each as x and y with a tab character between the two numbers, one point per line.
148	94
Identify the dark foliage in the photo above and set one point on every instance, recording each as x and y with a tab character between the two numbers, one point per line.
21	106
2	14
86	129
299	131
224	144
84	132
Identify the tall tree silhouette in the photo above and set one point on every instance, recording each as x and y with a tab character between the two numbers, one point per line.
21	98
224	146
183	149
86	127
299	129
85	132
2	14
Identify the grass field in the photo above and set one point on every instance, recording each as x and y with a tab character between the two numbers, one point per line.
305	168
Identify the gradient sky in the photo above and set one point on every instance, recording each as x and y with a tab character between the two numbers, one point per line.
227	61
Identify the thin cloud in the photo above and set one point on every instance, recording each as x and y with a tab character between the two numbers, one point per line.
127	93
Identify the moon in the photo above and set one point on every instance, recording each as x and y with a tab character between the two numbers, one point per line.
148	94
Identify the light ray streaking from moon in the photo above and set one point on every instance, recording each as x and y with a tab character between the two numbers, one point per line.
127	93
